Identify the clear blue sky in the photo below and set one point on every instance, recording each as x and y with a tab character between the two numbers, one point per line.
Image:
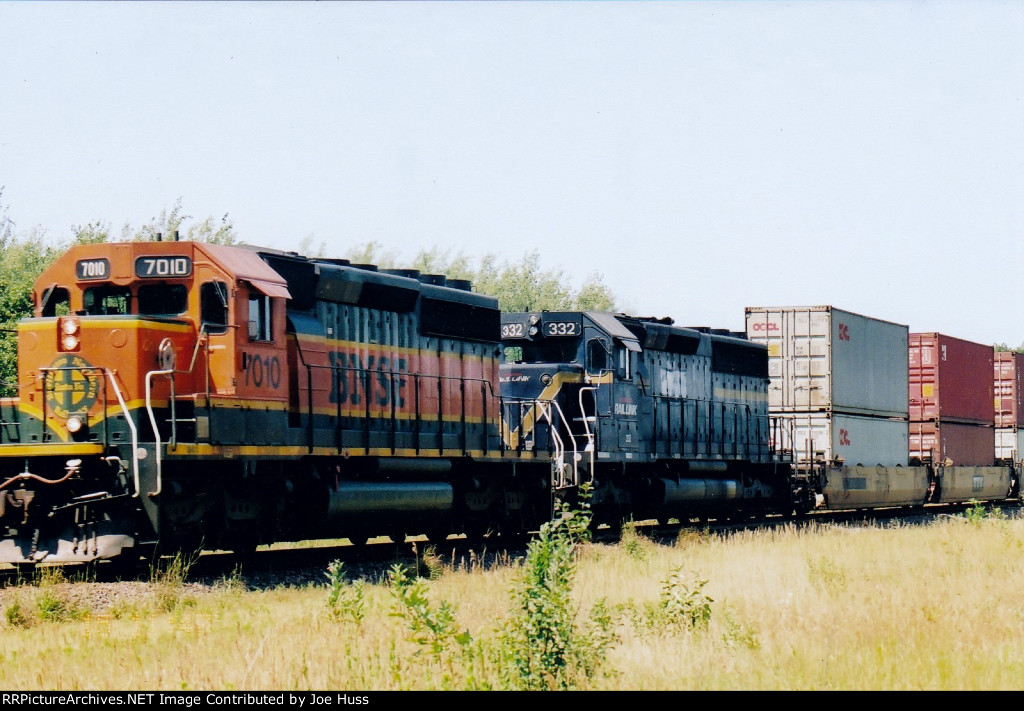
702	156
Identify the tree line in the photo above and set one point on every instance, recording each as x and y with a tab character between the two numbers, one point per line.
522	284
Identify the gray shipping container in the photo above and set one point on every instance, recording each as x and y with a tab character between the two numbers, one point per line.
824	359
855	439
1010	443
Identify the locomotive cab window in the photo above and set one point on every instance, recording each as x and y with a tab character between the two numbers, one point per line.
550	351
259	318
107	300
626	349
624	364
213	306
513	354
163	299
56	301
597	356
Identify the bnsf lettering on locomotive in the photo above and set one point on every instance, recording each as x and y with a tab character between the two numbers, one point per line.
376	379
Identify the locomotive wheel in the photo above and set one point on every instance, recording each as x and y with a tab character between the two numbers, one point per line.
357	539
397	536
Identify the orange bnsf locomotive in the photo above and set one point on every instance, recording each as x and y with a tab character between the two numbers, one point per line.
198	395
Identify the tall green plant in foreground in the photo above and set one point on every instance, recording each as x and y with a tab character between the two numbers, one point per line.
432	626
345	601
548	649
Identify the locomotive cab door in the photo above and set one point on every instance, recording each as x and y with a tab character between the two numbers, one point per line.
246	349
598	402
261	341
216	317
626	400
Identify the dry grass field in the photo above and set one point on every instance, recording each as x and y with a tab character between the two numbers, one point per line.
933	606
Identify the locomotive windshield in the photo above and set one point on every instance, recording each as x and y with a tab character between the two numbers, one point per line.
544	351
163	299
107	300
150	300
548	337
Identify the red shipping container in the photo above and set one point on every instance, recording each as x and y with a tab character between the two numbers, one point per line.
965	445
950	379
1009	407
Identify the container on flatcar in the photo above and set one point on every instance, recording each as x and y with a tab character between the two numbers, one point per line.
1009	444
1009	405
1009	395
853	439
950	380
964	444
824	359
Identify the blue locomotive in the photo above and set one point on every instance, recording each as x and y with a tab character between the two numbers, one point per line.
665	422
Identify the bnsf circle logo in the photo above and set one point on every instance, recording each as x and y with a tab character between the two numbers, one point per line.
764	327
69	388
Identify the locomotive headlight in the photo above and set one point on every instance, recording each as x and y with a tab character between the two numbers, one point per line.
70	330
534	330
74	424
545	379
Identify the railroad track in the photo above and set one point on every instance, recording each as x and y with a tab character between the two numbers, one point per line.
307	563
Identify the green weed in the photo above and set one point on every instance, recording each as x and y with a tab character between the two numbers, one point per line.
432	626
684	603
43	601
978	513
546	646
633	543
169	580
682	606
345	601
738	634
